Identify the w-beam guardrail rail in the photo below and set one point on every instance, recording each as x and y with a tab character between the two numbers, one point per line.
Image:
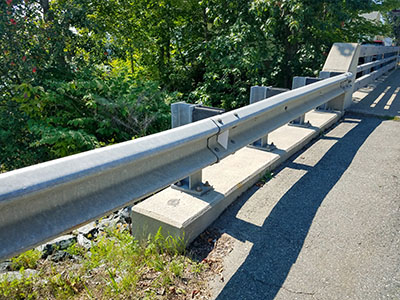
43	201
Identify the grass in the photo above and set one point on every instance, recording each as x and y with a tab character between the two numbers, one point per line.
267	176
116	267
23	288
391	118
396	119
27	260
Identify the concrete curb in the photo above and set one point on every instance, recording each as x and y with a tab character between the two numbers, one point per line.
183	215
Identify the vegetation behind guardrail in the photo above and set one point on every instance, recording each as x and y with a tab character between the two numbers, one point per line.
76	75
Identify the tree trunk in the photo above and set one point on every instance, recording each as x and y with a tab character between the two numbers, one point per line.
46	7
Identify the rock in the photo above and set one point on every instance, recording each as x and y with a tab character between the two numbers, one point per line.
125	215
60	243
5	266
63	242
89	230
46	250
16	275
108	223
60	255
83	241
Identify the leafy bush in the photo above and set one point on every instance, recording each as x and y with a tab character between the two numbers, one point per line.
93	110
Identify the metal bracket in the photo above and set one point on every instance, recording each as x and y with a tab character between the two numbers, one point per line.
300	122
262	144
193	185
184	113
323	107
303	124
264	147
258	93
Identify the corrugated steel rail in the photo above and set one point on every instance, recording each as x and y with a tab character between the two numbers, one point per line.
40	202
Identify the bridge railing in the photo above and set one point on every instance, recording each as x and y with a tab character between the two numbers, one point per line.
375	61
40	202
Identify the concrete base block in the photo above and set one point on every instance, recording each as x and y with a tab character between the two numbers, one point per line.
184	215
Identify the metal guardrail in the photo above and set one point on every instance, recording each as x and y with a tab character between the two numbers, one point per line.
380	60
40	202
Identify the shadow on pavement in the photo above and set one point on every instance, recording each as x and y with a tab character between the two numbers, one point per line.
278	242
384	100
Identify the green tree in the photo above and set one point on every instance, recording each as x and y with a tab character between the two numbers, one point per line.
394	21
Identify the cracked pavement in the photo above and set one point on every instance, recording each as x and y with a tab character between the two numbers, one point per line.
326	226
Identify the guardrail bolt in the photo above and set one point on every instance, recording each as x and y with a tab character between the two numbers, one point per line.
199	189
220	121
179	183
207	183
216	149
232	141
236	115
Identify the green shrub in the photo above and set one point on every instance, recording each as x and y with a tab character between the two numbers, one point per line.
26	260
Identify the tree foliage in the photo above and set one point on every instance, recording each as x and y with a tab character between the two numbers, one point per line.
76	75
393	18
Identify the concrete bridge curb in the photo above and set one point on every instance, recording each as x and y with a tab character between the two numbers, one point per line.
184	215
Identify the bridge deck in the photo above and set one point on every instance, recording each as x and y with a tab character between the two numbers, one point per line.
326	225
382	99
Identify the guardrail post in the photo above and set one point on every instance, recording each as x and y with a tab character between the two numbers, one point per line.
258	93
299	81
343	57
181	114
324	75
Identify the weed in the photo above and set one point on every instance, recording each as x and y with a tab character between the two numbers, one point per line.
116	266
76	249
26	260
88	292
113	281
177	268
18	288
267	177
197	268
390	118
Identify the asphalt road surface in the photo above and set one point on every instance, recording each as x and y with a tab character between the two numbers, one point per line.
326	226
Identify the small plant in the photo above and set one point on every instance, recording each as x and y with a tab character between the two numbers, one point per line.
389	118
113	281
116	266
26	260
75	249
177	268
267	177
63	287
22	288
197	268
